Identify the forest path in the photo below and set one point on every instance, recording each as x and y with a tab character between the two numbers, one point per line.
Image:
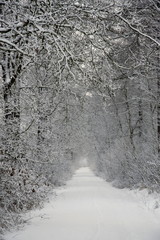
89	208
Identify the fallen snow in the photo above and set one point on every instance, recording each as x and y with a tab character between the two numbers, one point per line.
89	208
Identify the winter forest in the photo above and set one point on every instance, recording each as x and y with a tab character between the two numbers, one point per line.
78	79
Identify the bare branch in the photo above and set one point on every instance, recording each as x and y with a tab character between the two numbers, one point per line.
138	31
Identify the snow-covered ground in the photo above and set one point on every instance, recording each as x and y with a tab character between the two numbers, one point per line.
88	208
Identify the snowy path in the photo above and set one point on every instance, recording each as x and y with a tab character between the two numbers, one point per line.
88	208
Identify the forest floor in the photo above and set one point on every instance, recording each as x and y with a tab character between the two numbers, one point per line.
88	208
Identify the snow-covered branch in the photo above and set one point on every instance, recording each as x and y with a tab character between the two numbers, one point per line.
7	42
138	31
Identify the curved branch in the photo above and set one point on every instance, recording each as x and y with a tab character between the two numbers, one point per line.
3	40
138	31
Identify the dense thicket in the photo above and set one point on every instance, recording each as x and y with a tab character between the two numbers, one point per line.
77	78
131	114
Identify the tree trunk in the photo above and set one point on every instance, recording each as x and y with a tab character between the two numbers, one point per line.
158	109
12	120
11	106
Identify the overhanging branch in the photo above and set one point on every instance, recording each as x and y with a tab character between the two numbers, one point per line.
138	31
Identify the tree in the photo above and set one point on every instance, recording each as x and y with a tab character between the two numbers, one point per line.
77	78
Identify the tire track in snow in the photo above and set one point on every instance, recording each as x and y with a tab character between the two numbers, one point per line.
95	235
